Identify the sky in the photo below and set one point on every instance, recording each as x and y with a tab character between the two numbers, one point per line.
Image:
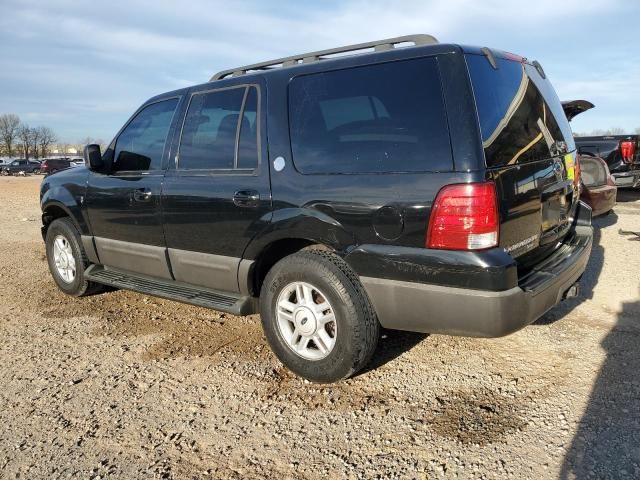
82	67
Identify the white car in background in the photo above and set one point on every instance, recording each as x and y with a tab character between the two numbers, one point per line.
77	162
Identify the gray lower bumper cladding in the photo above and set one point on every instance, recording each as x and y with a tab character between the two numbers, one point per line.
430	308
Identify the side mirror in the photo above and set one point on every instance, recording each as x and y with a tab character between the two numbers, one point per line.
93	157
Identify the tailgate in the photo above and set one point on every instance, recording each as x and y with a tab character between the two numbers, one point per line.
529	153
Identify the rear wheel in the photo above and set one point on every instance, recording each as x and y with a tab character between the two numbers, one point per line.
317	316
67	259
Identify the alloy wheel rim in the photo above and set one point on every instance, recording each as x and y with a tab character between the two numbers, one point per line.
306	321
63	259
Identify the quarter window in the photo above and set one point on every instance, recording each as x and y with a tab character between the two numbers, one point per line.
380	118
141	145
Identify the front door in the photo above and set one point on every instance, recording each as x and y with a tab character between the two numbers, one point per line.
124	203
216	195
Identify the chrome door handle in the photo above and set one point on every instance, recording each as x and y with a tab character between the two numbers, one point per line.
142	195
246	198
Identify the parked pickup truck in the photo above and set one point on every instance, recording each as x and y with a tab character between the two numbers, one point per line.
25	166
621	152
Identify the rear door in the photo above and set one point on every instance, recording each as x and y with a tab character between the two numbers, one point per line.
529	152
216	195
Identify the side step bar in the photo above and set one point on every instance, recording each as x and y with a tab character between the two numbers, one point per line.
180	292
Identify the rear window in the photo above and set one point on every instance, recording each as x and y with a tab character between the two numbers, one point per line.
521	118
593	173
380	118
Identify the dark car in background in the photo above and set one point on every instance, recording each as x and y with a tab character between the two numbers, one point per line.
599	190
597	186
620	152
24	166
52	165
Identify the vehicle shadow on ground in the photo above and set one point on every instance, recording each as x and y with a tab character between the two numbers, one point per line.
607	442
391	345
590	277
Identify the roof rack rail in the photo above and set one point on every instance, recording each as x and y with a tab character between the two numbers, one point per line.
377	46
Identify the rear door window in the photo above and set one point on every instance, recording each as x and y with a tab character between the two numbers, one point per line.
521	118
380	118
220	130
248	141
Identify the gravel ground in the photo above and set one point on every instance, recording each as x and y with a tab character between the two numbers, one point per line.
122	385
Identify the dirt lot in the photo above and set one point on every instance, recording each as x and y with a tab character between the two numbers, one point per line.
122	385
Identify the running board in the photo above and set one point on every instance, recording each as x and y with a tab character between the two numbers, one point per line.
172	290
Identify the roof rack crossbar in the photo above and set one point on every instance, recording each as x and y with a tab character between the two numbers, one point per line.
377	45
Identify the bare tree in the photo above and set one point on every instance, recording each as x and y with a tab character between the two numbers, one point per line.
47	138
9	125
24	135
62	148
34	140
598	132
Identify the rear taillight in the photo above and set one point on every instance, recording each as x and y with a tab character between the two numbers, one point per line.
627	150
464	217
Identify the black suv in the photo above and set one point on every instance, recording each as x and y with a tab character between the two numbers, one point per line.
428	187
53	165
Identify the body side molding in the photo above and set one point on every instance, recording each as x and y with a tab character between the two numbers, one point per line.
135	257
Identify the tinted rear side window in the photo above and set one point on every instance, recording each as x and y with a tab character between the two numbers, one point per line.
521	118
381	118
209	132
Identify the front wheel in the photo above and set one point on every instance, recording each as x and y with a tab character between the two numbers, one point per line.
317	317
67	259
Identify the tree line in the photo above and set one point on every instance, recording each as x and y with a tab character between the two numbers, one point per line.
609	131
20	139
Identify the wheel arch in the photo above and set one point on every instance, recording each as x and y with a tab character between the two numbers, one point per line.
290	230
253	276
52	211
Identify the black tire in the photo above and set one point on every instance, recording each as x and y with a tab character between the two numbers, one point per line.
80	286
357	331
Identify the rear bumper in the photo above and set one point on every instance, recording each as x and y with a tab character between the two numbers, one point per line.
430	308
627	179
